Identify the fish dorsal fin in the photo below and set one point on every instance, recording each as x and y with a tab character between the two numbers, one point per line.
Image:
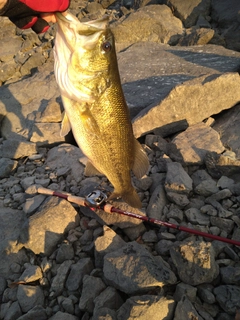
90	170
141	163
66	126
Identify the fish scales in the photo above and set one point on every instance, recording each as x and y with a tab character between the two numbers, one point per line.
95	109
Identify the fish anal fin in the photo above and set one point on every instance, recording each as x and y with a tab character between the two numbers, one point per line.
66	126
90	170
141	162
130	197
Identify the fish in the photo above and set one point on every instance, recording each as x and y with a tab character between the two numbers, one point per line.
86	71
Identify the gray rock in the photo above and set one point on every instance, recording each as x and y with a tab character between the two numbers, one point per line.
222	224
68	305
58	281
92	287
195	142
32	204
206	188
190	12
64	252
41	236
63	316
108	298
29	296
199	266
37	312
225	182
77	272
195	216
223	294
205	293
150	236
129	260
180	200
66	156
147	307
186	310
157	203
109	242
7	167
14	312
163	247
187	290
16	149
230	275
45	134
31	273
184	98
154	23
105	313
177	179
27	182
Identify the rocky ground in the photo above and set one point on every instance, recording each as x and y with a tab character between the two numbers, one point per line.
179	67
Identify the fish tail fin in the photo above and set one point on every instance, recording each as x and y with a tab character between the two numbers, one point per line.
130	197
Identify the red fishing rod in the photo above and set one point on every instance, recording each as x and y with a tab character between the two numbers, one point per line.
97	200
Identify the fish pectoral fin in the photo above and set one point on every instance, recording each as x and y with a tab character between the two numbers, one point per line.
88	121
90	170
66	126
141	162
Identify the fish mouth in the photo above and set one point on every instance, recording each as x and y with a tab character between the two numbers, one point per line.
84	34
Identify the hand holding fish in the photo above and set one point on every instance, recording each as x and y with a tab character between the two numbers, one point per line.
35	14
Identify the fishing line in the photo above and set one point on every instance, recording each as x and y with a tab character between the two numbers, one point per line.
97	200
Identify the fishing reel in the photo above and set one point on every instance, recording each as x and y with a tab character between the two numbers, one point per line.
96	198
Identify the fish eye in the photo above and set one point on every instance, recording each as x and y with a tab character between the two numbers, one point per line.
106	46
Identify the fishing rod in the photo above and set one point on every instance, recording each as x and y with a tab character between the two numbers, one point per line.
97	200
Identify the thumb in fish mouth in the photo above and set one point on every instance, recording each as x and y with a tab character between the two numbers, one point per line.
51	17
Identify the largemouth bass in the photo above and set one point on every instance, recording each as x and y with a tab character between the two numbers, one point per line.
86	71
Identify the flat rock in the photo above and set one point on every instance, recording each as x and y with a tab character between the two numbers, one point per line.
16	149
29	296
228	297
195	142
66	157
7	167
189	12
187	99
147	307
46	227
132	269
195	262
154	23
177	179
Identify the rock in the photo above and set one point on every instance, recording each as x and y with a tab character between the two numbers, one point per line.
185	310
187	290
39	235
190	12
147	306
206	188
196	217
222	164
58	282
29	296
31	273
225	182
32	204
66	156
77	272
64	252
92	287
16	149
45	134
157	203
14	311
180	200
63	316
187	96
130	259
37	312
195	142
223	293
7	167
108	298
205	292
227	125
230	275
222	224
150	23
51	113
109	242
195	262
177	180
